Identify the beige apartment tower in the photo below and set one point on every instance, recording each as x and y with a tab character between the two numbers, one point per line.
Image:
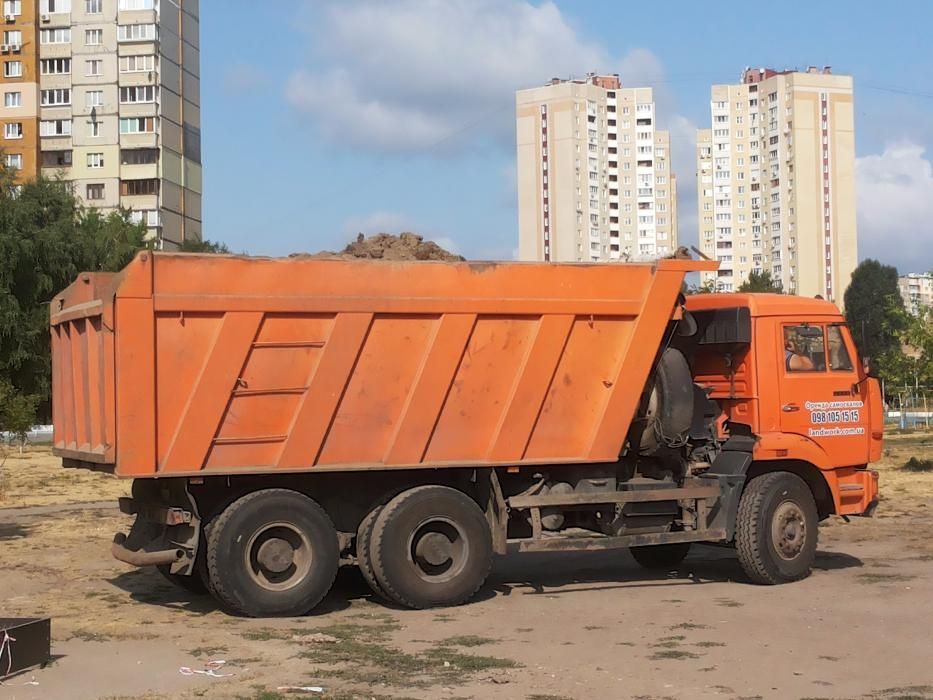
594	173
776	181
115	96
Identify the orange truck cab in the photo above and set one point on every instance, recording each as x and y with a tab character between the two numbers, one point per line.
283	417
788	377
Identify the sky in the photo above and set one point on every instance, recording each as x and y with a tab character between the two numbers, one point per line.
352	116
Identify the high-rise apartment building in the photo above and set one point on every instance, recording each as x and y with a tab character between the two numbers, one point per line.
106	94
916	290
776	181
595	181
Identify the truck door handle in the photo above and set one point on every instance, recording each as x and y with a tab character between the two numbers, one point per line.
790	408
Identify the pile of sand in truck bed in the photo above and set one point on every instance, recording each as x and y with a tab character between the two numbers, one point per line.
386	246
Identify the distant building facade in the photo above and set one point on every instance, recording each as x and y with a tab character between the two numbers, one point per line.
776	181
916	291
106	93
595	181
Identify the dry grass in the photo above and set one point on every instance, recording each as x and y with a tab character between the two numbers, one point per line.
36	478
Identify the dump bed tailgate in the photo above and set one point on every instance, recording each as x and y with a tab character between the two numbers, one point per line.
83	375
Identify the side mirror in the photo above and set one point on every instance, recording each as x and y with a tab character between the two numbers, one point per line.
868	367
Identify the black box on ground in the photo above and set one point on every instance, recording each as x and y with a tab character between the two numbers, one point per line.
24	642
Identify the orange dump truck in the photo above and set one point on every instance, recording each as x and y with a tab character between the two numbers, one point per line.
283	417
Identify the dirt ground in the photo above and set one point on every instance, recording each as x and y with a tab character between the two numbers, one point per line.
545	627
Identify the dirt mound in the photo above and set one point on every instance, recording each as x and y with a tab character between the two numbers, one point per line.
386	246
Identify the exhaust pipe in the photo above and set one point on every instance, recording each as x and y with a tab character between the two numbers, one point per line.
140	557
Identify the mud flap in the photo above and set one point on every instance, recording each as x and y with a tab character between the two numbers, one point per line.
729	469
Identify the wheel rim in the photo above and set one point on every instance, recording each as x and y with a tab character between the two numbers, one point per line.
278	556
438	549
788	530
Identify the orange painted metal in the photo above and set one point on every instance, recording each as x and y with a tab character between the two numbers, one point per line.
186	364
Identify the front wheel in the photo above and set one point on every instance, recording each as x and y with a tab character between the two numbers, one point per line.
776	531
272	553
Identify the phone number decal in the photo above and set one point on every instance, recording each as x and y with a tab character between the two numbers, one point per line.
824	417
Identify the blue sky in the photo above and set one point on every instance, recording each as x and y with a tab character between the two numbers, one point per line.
385	116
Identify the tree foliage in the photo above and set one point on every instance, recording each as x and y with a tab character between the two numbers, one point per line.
760	282
875	311
192	245
46	239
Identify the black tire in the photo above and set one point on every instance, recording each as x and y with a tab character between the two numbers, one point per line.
776	531
364	558
431	546
272	553
669	401
661	556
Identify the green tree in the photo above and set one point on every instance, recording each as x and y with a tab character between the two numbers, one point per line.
46	239
17	412
192	245
760	282
875	311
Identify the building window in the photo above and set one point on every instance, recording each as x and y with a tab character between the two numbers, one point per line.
94	98
137	4
14	161
142	93
148	217
55	127
136	64
93	7
94	131
13	131
93	37
50	7
12	7
137	125
95	192
55	98
13	69
137	32
94	68
95	160
14	38
13	99
55	36
55	66
130	188
52	159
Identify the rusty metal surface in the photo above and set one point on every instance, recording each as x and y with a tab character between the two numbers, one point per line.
596	498
581	544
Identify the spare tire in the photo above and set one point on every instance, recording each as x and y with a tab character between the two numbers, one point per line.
668	405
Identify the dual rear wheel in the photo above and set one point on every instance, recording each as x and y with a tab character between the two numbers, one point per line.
429	546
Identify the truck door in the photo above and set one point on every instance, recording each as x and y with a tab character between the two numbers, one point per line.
821	397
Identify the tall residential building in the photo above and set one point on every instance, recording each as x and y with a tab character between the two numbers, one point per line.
106	94
916	290
595	181
776	181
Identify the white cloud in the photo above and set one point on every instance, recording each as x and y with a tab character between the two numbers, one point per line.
417	75
895	207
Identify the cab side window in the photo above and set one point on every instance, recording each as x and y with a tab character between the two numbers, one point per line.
804	349
839	360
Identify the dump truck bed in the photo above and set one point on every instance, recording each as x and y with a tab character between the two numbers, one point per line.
189	364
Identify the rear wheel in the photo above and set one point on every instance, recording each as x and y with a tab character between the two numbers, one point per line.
661	556
431	546
776	531
363	556
272	553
